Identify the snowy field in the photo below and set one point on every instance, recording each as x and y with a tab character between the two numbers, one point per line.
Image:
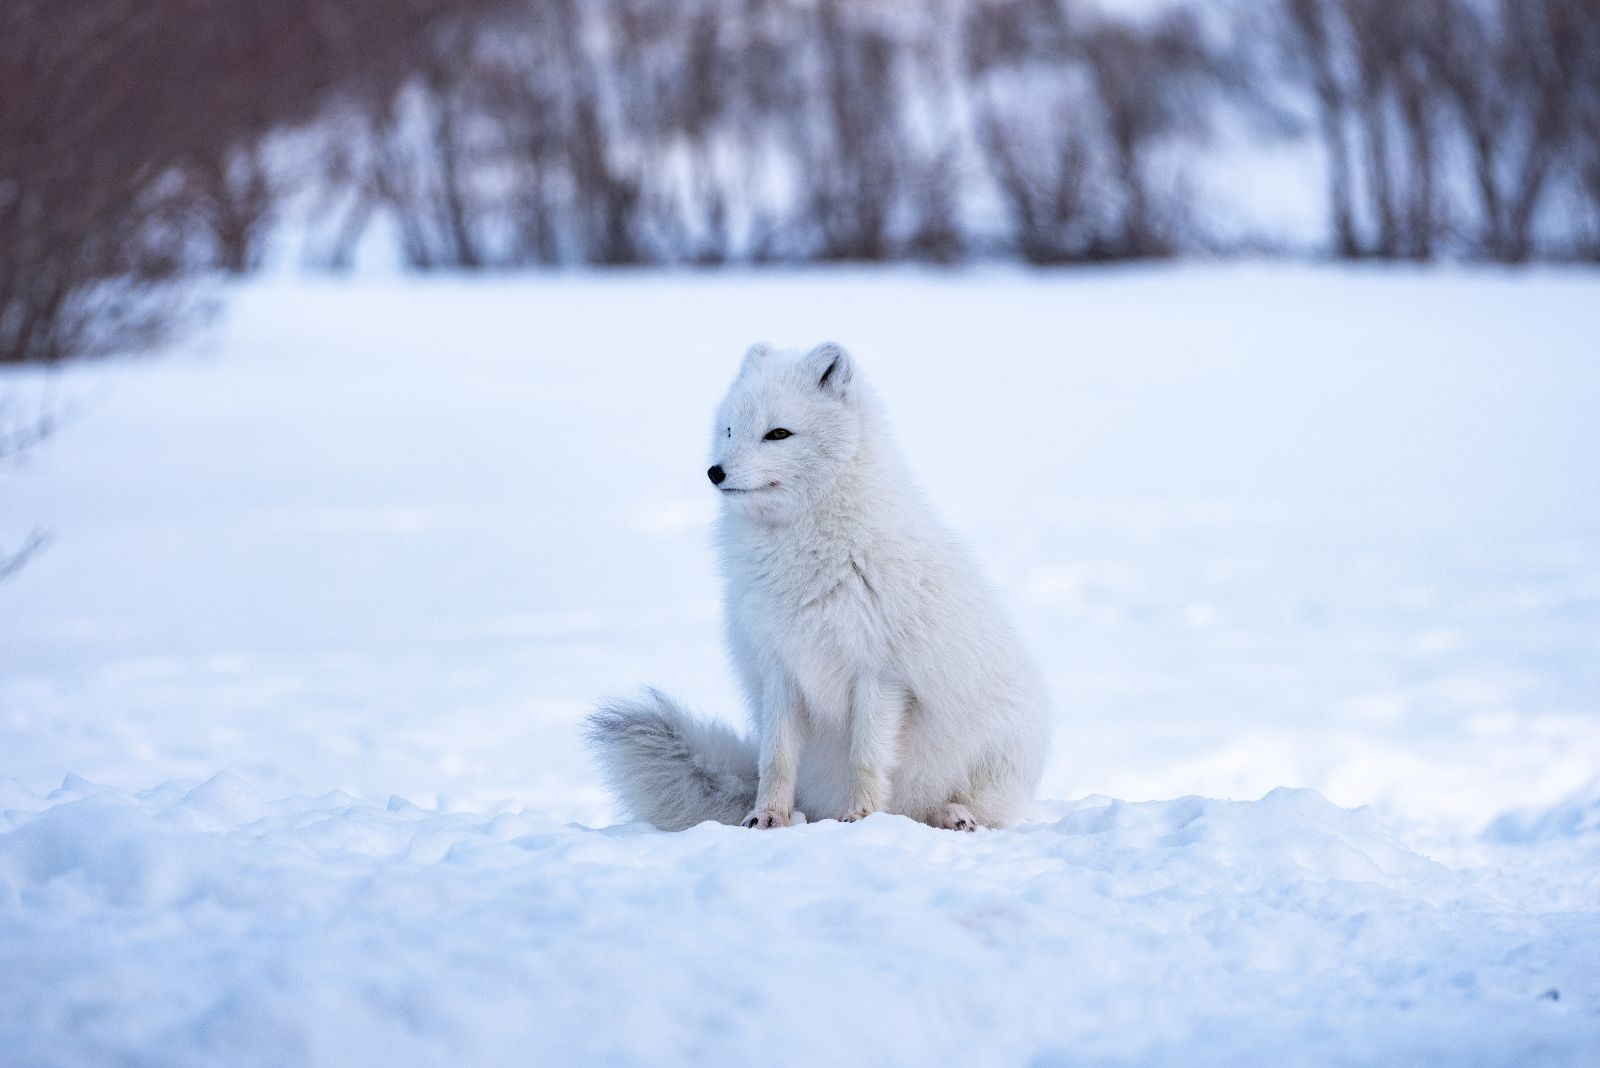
289	761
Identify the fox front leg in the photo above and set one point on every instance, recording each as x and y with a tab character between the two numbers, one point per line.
876	710
781	725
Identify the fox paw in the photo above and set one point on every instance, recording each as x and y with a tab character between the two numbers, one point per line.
764	818
954	817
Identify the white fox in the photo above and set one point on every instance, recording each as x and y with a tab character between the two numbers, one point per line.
880	673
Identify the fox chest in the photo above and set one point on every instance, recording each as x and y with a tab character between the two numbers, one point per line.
826	634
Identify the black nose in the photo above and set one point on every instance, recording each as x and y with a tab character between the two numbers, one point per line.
716	475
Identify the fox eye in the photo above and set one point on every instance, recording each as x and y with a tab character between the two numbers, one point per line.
777	433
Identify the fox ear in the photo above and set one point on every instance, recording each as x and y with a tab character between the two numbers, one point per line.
831	368
754	355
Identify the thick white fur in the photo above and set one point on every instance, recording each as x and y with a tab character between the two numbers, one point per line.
880	673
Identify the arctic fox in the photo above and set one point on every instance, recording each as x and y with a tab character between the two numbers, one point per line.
880	673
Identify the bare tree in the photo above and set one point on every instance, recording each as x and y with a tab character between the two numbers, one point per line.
1507	68
1397	107
1414	57
1033	126
1315	54
494	133
20	430
118	178
1080	184
1046	183
1150	83
1584	26
857	164
233	198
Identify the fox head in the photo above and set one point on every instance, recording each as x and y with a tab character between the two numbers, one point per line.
788	427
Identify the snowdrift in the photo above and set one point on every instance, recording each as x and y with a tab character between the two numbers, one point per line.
192	924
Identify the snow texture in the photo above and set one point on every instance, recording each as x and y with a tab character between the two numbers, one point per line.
193	925
290	757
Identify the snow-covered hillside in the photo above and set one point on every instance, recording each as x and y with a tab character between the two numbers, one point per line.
329	592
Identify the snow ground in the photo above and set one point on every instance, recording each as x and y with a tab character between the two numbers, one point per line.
1264	527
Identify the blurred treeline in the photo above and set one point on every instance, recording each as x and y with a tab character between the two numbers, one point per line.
144	140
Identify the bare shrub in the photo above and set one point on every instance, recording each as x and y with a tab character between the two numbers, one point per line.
20	429
129	136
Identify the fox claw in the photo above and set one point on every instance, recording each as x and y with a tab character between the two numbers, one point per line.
957	818
765	818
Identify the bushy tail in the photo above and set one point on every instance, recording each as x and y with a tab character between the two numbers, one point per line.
669	767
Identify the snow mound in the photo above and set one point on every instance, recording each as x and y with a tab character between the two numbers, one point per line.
201	923
1576	817
1547	857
